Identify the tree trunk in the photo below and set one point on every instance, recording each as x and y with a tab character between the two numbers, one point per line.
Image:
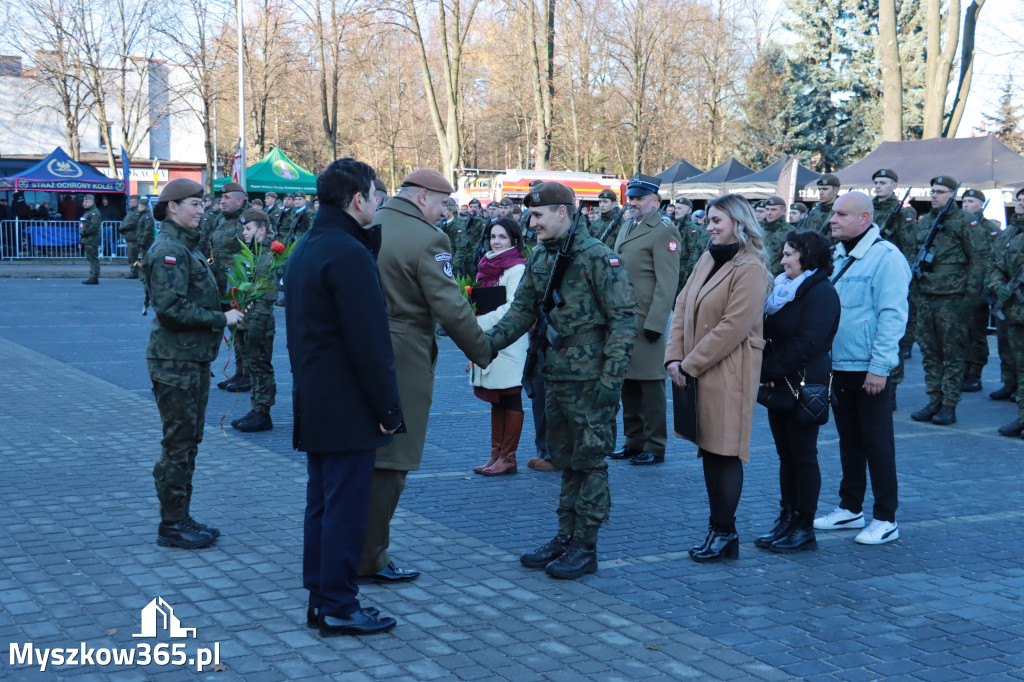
892	72
939	63
963	87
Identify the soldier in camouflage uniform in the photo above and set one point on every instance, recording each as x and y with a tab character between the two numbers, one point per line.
468	244
1007	368
944	292
128	226
302	217
90	232
693	243
609	219
287	222
208	223
273	209
258	326
450	222
818	217
775	230
183	341
225	245
797	210
988	232
1005	267
594	333
145	232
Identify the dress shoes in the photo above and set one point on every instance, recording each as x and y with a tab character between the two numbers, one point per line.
254	421
926	413
313	615
183	534
362	622
971	385
720	546
945	416
624	453
699	547
1013	429
390	574
215	532
647	458
782	524
546	553
1005	392
577	561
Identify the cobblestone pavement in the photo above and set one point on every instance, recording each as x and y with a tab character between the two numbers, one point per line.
79	433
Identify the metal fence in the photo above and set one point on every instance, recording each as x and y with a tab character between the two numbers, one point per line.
32	239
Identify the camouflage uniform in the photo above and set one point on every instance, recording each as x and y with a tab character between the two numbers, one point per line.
903	234
225	245
1002	271
466	250
207	225
774	239
90	237
301	222
286	225
1007	364
598	324
944	295
693	243
605	227
818	219
183	341
275	214
988	233
128	230
259	328
144	232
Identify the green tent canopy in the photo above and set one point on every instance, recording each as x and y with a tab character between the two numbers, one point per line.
275	172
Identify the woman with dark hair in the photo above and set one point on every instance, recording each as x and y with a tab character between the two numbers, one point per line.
500	384
801	318
716	337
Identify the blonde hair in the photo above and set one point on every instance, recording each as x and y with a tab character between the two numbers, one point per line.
749	232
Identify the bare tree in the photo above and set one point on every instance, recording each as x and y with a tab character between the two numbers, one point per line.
267	51
963	86
939	62
541	23
892	72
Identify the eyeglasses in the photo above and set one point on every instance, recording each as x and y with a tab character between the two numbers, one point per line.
192	203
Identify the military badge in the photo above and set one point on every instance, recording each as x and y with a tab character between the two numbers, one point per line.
673	246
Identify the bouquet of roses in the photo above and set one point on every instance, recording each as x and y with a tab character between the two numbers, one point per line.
250	279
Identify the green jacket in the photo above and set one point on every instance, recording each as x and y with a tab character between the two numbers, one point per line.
818	219
694	240
188	322
960	256
90	229
285	224
225	239
466	254
774	239
302	221
1002	271
903	233
129	226
606	229
599	298
145	231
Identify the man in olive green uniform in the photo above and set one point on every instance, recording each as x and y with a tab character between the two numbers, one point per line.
682	218
90	232
609	219
648	248
415	263
592	337
128	231
467	250
1007	368
273	209
183	341
945	289
1004	269
287	222
901	231
775	230
818	217
302	217
225	245
987	232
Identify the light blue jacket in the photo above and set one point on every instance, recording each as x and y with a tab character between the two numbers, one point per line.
873	295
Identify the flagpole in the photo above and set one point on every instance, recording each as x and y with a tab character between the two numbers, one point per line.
241	100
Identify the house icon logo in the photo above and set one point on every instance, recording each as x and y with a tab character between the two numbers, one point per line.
158	614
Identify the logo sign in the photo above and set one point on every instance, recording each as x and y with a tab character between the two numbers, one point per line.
159	614
285	170
64	169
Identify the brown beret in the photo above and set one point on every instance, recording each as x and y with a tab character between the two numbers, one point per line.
379	186
605	194
253	215
271	194
548	193
232	187
775	201
973	194
686	201
945	181
505	202
828	180
300	195
179	189
799	207
886	173
428	179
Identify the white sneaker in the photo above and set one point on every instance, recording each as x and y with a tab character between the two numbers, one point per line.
878	533
839	519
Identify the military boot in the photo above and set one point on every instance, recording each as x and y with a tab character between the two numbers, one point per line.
182	534
1004	392
236	422
781	526
926	413
546	553
945	416
971	385
242	385
215	532
91	280
1013	429
577	561
255	421
223	385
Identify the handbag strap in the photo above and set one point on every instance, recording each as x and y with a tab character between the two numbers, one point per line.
803	379
850	261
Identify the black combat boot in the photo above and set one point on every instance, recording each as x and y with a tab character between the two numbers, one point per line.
236	422
700	546
578	560
215	532
799	537
255	421
223	385
546	553
926	413
971	385
781	527
1013	429
624	453
183	534
945	416
91	280
1004	392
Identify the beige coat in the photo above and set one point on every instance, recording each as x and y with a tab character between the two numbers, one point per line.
506	371
650	251
717	335
420	290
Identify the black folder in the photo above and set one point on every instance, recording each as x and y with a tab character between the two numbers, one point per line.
684	410
488	299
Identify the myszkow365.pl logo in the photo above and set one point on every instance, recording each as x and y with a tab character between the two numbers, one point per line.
156	616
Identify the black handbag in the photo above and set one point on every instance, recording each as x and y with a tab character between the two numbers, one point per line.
812	401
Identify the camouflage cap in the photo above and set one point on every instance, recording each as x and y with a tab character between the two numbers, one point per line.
686	201
253	215
179	189
973	194
548	193
944	181
232	187
828	180
776	201
641	185
606	194
799	206
886	173
428	179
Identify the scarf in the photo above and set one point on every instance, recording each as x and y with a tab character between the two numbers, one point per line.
493	265
784	291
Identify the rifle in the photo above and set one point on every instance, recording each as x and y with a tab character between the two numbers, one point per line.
891	218
552	299
608	230
1015	283
923	262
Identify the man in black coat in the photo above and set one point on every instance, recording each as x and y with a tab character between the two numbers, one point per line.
345	394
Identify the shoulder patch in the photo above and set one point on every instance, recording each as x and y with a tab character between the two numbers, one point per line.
673	246
613	261
171	259
441	257
448	269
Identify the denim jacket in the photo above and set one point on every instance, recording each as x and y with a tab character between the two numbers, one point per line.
873	295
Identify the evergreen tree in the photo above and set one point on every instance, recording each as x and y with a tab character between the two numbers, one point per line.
762	138
1006	123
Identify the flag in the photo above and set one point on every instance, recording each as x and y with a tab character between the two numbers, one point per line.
125	173
236	164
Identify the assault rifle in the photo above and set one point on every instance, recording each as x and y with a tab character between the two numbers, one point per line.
924	260
552	299
1016	283
608	230
890	219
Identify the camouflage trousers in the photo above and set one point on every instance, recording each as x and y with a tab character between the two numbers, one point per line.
942	336
132	252
1015	341
256	353
92	254
977	339
1007	360
579	437
181	390
906	343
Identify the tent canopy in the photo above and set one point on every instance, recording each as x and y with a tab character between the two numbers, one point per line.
764	183
677	172
977	162
58	172
711	185
275	172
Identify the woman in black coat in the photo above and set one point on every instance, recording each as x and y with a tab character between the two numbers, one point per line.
801	318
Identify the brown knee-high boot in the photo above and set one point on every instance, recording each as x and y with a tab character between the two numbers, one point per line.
497	434
509	445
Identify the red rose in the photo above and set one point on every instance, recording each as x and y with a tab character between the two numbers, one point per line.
277	247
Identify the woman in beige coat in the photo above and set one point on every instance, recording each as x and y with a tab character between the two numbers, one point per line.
716	336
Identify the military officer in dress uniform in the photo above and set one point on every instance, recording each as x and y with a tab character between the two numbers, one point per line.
90	233
987	232
775	231
649	249
818	217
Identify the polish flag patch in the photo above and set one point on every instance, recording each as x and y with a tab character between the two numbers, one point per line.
614	262
171	259
673	246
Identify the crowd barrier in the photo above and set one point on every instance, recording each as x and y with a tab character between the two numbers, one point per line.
57	239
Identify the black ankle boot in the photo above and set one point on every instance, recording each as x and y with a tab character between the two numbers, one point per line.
578	560
546	553
799	537
724	544
781	526
700	546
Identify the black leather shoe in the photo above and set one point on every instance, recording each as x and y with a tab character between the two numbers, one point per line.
242	385
799	537
945	417
182	534
577	561
1003	393
1013	429
313	615
362	622
391	574
720	546
971	385
624	453
546	553
699	547
255	421
926	413
647	458
782	525
215	532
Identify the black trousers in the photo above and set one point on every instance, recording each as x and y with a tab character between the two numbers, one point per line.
866	445
799	475
337	506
